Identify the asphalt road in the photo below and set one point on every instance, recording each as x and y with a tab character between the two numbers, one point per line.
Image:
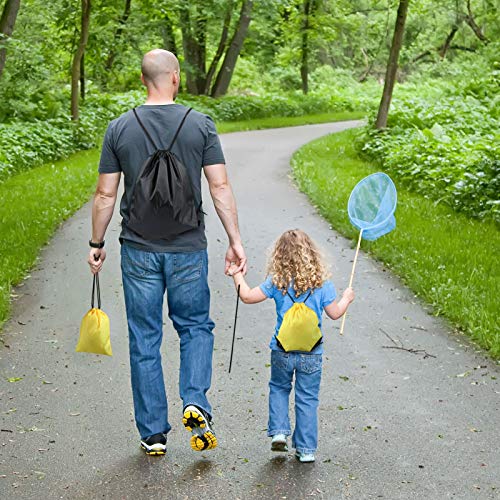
393	424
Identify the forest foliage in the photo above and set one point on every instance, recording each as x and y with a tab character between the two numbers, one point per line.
266	58
443	137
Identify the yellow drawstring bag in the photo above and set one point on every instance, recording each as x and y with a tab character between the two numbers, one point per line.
94	329
299	330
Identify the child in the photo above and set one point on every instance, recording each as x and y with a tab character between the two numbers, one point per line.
296	275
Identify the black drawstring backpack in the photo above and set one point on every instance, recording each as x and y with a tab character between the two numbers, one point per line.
162	203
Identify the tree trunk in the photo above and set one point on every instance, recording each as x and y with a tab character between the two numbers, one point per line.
469	19
7	22
201	54
194	52
304	59
221	47
446	45
167	33
82	78
425	53
118	34
226	71
392	65
77	58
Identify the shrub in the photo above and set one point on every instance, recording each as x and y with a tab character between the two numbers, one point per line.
24	144
443	142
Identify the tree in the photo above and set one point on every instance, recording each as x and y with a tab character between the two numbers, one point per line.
118	34
199	24
7	22
193	28
226	71
78	56
220	48
392	65
469	19
309	6
167	32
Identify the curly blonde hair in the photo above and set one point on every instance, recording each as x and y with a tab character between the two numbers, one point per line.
295	259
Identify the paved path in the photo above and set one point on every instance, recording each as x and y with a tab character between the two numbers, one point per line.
393	425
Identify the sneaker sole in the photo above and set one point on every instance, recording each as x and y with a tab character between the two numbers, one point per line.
152	451
192	420
279	446
205	441
195	422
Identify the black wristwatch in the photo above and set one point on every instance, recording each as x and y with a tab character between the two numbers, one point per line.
96	245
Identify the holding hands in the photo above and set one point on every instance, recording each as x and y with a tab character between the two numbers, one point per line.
233	269
236	260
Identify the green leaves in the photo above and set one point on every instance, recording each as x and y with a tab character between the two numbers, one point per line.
443	142
25	144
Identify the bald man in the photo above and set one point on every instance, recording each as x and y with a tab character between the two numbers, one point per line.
177	266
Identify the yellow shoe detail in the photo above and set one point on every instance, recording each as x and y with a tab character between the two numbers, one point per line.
206	441
153	452
193	419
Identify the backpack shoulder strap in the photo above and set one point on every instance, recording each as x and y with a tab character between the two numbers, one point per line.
294	301
179	128
144	128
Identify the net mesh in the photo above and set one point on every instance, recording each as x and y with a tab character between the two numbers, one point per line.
372	204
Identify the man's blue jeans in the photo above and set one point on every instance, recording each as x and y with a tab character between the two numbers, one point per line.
146	277
307	370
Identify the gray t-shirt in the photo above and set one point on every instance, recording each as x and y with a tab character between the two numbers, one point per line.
126	148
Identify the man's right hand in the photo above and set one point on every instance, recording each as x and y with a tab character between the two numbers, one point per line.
96	259
236	255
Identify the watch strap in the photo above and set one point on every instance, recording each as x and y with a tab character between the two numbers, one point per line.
96	245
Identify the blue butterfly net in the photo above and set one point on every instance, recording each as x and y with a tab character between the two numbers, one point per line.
372	204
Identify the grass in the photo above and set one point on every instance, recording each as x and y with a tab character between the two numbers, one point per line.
35	202
448	259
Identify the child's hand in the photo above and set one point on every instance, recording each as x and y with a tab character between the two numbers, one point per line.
232	269
348	294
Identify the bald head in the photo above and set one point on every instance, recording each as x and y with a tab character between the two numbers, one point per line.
160	68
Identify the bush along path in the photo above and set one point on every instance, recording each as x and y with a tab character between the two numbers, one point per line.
407	408
27	144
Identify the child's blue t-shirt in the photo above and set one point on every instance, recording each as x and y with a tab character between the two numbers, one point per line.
317	301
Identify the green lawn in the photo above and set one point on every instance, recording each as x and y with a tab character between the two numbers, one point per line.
35	202
448	259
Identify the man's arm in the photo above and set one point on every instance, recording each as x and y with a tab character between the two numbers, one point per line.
102	211
225	206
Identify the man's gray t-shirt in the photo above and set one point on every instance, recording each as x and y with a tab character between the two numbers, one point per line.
126	148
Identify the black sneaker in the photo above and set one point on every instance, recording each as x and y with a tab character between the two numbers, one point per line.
155	444
197	421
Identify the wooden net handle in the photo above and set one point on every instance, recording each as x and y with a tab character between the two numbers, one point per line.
352	276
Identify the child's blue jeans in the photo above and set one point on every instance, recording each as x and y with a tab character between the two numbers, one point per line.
307	369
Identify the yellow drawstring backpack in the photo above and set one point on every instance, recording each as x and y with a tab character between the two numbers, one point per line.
299	330
94	330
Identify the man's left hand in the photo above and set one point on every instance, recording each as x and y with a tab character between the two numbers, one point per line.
96	259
